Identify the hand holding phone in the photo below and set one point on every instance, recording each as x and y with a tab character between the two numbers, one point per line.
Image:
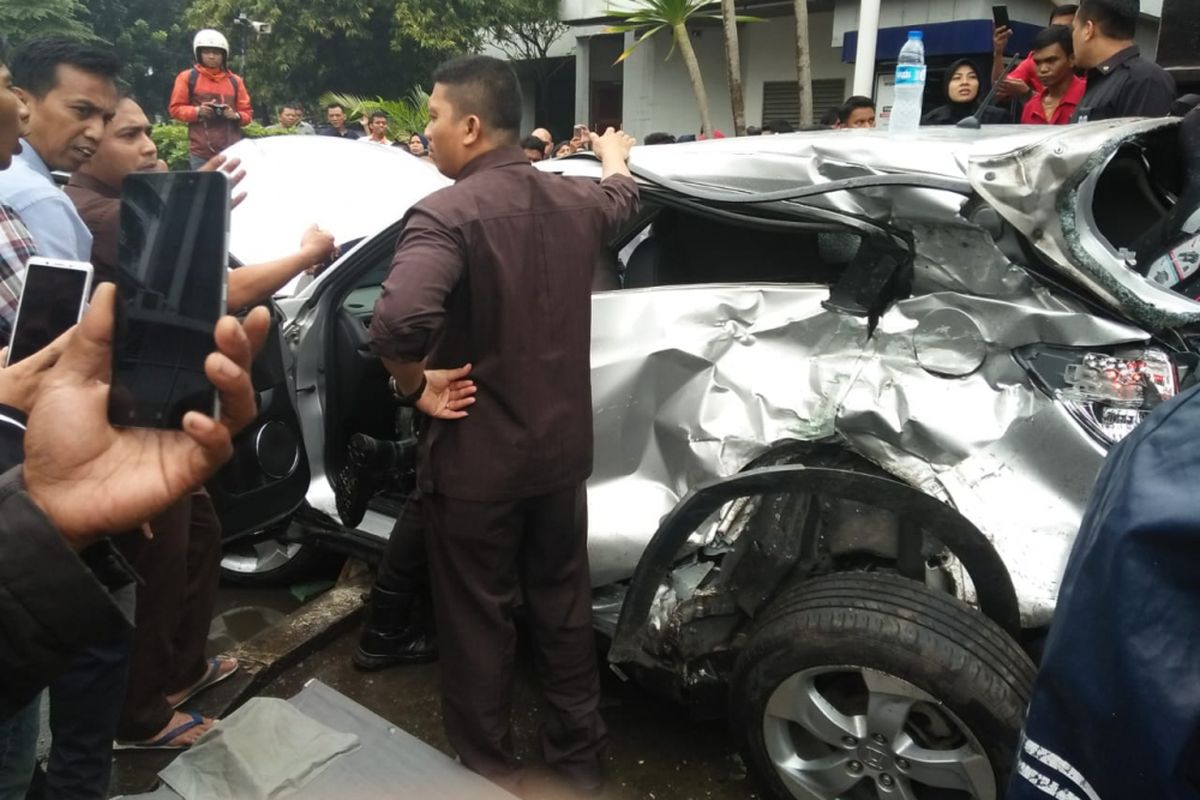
52	301
92	479
584	134
1000	17
171	281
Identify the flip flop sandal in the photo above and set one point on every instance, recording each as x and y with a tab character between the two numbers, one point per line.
164	742
212	677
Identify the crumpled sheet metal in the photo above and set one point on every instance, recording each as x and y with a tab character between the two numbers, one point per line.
691	383
1059	225
764	164
760	165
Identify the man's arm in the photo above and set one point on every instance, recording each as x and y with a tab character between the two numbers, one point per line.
1000	37
1019	82
428	263
617	184
181	107
257	282
51	606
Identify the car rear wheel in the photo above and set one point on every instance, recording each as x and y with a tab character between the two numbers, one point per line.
867	685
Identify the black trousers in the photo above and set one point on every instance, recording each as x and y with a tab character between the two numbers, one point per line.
481	555
84	705
405	565
180	569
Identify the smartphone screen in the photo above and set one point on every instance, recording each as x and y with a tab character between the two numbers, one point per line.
1000	16
171	277
51	302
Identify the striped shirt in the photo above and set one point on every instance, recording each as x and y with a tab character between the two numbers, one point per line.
16	247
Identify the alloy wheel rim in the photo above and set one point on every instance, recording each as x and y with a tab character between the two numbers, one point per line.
846	732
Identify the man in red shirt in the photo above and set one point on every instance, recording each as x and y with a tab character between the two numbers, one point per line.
1023	80
210	99
1054	55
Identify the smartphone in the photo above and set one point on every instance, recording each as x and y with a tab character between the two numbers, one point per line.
52	300
581	132
1000	16
171	282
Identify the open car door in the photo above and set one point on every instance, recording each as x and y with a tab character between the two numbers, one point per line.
268	475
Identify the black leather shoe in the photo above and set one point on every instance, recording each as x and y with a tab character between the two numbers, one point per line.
395	633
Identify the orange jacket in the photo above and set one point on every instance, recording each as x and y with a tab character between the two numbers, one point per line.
209	137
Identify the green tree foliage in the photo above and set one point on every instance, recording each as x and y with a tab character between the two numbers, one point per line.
24	19
367	47
525	30
152	40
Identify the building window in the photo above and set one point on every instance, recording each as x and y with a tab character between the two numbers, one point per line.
781	99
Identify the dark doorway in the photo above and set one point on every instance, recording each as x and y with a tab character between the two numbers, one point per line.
607	82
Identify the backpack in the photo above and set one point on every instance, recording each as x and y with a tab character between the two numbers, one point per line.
194	76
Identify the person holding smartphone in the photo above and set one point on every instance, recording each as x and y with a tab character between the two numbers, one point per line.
211	99
70	92
81	481
180	564
1023	80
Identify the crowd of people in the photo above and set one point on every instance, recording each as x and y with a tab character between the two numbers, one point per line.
121	660
1081	67
111	547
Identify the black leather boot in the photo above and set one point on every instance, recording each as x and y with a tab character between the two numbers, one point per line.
367	469
396	632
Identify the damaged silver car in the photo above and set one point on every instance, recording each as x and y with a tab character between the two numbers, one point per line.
850	395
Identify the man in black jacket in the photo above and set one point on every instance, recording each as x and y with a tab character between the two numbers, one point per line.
1120	83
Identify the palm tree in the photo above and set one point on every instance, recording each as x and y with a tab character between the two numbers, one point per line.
733	67
674	15
803	62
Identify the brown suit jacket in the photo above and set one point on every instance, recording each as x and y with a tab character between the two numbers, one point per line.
496	271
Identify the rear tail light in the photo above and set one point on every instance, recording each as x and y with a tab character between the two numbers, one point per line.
1108	393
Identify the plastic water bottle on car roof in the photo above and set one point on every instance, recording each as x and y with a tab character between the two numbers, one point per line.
910	87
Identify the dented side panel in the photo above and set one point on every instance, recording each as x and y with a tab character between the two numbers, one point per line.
691	383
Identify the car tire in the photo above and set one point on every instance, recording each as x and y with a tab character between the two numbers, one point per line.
273	562
868	684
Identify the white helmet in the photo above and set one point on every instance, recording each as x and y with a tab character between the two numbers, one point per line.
210	38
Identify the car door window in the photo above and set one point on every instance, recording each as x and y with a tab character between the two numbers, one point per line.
680	248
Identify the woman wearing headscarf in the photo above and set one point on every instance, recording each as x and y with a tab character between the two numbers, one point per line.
963	94
418	145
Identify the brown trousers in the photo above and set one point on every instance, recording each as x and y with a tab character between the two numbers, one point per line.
180	568
480	555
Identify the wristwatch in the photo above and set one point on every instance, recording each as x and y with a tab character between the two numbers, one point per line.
407	399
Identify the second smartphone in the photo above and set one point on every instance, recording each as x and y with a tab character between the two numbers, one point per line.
52	300
171	280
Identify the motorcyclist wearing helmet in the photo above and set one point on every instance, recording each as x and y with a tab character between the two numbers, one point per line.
210	99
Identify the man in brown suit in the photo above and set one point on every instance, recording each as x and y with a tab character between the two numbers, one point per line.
492	279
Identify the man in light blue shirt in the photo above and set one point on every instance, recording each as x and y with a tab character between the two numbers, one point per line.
71	94
29	189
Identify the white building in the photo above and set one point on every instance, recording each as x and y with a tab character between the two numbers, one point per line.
647	93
